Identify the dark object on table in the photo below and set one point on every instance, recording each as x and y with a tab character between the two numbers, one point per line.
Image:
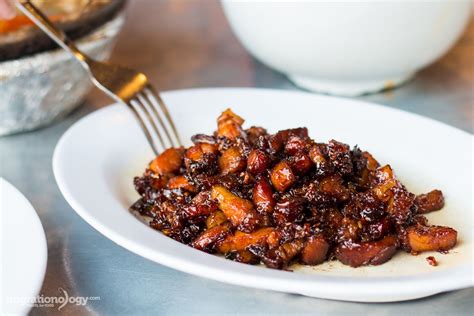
20	38
36	87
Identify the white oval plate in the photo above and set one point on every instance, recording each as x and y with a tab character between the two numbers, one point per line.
96	159
23	254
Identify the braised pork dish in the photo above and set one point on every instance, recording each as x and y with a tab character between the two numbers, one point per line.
285	198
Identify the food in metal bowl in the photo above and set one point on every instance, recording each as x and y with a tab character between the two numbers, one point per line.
38	81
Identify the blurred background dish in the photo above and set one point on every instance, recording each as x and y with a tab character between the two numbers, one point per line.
38	81
347	48
24	251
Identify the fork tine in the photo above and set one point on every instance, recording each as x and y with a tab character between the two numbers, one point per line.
154	113
155	99
143	127
122	84
138	100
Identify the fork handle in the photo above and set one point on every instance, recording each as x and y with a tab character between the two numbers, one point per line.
45	24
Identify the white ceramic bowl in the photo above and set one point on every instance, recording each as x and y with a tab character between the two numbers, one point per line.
348	48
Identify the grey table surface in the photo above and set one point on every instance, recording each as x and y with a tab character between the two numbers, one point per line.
193	46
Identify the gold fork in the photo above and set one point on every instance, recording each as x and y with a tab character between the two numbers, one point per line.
124	85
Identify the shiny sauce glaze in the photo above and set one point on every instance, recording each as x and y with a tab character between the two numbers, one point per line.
285	198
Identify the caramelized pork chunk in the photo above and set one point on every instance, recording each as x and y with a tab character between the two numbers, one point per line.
215	219
281	257
240	241
431	238
168	162
232	161
263	196
180	182
282	176
367	253
429	202
229	125
315	251
243	256
240	212
210	238
258	161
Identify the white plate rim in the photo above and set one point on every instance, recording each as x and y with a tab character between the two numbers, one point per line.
240	273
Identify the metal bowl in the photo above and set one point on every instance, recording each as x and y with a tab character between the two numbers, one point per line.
38	89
